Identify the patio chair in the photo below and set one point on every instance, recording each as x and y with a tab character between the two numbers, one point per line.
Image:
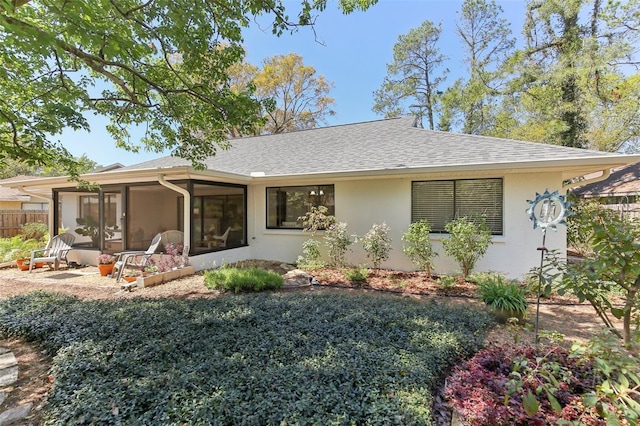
55	251
135	259
221	240
172	237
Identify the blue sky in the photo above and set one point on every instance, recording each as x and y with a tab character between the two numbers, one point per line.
350	50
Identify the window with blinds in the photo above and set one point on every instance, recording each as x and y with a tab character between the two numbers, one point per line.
441	201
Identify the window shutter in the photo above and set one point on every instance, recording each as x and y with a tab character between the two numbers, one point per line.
433	201
481	197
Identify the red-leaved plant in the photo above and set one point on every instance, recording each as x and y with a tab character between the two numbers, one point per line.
523	385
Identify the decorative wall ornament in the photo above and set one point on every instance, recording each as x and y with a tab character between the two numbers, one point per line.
548	209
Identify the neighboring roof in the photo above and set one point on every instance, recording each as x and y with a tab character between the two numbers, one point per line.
110	167
622	181
390	144
11	194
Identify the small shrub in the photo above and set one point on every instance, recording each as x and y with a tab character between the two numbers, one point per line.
338	242
356	275
468	241
310	257
617	397
418	246
377	244
34	231
447	281
17	248
237	280
317	219
505	295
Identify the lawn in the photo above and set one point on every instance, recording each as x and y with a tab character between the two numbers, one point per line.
259	359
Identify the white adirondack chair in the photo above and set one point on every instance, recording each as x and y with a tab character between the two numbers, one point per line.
55	252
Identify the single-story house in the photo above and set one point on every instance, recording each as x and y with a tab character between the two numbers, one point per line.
380	171
619	190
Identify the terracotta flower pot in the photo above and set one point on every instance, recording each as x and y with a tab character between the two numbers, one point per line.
105	269
130	279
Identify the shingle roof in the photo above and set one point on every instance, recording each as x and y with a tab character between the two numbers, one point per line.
10	194
376	145
622	181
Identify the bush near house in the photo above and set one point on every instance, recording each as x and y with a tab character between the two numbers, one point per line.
241	279
377	244
469	239
418	246
264	358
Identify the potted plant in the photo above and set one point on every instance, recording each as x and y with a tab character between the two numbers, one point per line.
505	298
24	264
131	275
105	263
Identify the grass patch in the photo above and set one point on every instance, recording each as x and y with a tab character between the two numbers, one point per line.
263	359
240	279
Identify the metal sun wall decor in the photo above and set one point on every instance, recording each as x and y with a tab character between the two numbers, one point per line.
546	210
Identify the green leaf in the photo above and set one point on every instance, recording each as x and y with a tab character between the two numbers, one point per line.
590	400
554	403
530	404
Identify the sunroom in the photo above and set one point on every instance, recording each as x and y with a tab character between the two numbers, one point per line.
121	217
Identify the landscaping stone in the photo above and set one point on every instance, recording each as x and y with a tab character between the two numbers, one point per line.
8	375
7	359
297	278
15	414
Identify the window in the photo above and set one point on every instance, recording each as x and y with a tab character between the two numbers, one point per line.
441	201
286	204
219	219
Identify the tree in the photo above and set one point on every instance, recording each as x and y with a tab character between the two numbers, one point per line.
12	167
412	80
486	39
150	64
569	84
301	100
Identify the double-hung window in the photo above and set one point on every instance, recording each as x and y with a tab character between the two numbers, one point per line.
441	201
285	204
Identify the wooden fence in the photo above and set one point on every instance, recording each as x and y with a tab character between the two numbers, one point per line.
12	220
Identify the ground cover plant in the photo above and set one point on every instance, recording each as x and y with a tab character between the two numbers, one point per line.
267	358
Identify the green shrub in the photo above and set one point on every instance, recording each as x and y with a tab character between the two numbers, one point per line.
317	219
310	258
262	359
468	241
501	294
17	248
237	279
447	281
616	268
377	244
357	275
618	395
418	246
338	241
34	231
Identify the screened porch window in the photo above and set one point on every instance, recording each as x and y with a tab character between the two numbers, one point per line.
285	204
441	201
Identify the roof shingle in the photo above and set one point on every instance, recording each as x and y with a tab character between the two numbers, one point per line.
390	144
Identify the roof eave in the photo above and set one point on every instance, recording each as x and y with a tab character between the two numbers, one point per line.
569	167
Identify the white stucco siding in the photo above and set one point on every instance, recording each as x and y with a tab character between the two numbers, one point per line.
361	203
